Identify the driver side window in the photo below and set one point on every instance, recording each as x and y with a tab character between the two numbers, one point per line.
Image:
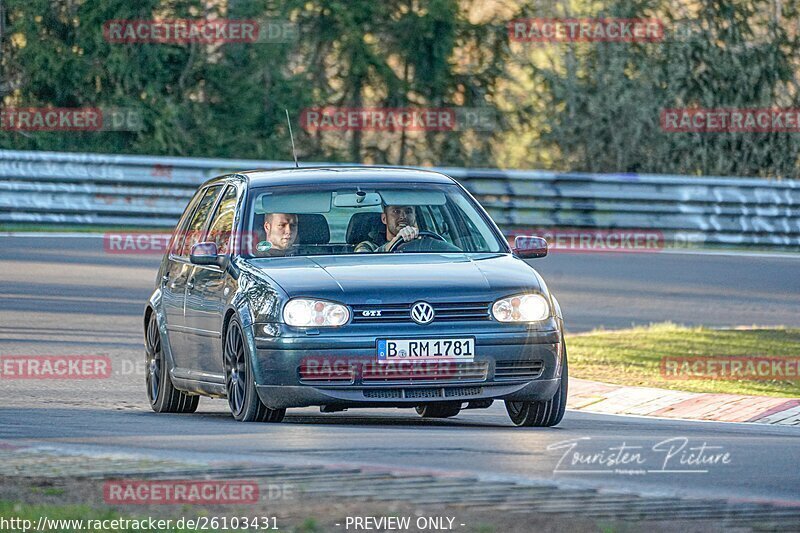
192	235
222	224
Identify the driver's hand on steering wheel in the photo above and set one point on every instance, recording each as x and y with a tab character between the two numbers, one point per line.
408	233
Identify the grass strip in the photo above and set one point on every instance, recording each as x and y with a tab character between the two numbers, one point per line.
634	357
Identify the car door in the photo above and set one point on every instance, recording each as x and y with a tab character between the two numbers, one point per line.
205	297
177	275
172	292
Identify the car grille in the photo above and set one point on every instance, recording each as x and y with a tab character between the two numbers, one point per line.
382	373
326	374
422	393
365	314
383	393
518	369
463	391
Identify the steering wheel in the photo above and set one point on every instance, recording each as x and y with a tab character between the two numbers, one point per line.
400	243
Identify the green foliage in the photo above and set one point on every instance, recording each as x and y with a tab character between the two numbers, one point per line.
606	98
65	62
581	106
229	100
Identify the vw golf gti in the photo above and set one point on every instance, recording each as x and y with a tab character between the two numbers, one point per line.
351	287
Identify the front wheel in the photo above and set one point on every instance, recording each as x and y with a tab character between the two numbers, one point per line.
542	413
162	394
243	400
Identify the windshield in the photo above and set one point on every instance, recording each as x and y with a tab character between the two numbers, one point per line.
382	218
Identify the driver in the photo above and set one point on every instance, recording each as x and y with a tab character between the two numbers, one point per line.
401	223
281	232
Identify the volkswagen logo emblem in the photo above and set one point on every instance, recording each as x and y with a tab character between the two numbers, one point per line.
422	313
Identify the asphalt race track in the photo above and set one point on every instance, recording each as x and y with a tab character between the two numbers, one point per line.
66	296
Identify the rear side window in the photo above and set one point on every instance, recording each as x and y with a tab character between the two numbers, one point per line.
193	232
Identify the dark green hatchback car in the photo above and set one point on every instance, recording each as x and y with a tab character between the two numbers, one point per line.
351	287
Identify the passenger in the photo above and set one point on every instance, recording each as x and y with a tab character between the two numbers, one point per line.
400	223
281	233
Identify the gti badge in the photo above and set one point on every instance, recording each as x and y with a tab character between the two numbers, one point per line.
370	313
422	313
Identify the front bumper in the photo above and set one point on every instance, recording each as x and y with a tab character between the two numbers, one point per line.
278	377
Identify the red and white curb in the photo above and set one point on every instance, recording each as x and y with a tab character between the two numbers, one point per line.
605	398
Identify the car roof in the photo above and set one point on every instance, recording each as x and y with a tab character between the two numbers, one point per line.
343	174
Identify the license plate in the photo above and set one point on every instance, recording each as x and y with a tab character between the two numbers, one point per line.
391	350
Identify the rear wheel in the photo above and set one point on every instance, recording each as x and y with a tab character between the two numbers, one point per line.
163	396
542	413
439	410
243	400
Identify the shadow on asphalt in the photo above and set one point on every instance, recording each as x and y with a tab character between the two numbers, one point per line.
400	421
57	423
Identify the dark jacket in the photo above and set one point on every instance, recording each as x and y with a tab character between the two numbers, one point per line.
376	243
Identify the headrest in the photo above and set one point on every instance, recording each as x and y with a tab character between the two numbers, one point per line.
312	229
361	224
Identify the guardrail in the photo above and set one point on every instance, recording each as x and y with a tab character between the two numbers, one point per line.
109	190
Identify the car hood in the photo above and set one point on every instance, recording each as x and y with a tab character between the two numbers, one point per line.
401	278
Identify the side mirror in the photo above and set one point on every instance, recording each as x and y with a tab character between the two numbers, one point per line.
205	253
529	247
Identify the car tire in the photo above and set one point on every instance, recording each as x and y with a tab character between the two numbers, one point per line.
162	394
542	413
243	400
439	410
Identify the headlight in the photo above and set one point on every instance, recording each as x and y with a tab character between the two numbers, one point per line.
521	308
307	313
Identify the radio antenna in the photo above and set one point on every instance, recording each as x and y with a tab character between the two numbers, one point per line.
291	136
